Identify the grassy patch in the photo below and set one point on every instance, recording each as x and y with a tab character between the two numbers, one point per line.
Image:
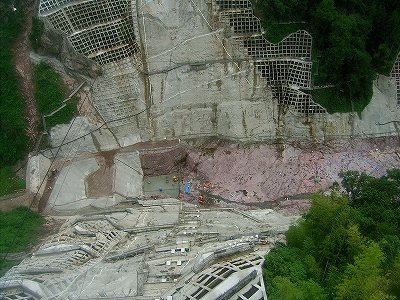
276	32
19	229
63	116
8	182
50	94
335	101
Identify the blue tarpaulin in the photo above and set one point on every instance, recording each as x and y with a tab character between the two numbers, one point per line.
187	187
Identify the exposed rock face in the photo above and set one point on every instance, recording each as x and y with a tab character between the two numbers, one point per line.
72	139
54	43
189	69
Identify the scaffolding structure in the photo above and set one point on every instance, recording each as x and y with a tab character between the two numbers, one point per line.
395	73
286	65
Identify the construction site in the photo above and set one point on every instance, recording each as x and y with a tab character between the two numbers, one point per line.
193	152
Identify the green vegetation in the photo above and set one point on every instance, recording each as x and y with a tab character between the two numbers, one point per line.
8	182
334	100
49	95
276	32
19	229
345	247
354	40
13	141
331	99
36	33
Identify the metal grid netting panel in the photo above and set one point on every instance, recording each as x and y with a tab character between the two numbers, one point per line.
233	4
59	21
102	30
395	73
86	14
103	37
301	102
296	45
285	64
117	54
242	22
124	66
284	71
299	73
116	97
117	113
46	5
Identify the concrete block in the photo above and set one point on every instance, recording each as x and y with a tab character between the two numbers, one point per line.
128	180
36	174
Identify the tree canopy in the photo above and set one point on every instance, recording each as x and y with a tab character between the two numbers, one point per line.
346	247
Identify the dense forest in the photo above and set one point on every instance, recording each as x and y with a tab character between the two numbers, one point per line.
353	40
346	247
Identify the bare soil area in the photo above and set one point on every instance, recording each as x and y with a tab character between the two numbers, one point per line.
100	183
11	203
24	69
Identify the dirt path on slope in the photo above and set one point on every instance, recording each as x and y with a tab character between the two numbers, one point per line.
24	69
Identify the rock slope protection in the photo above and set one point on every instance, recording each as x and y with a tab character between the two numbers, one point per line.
203	68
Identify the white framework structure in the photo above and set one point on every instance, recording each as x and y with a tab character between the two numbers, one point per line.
103	30
99	29
286	64
395	73
106	32
217	282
